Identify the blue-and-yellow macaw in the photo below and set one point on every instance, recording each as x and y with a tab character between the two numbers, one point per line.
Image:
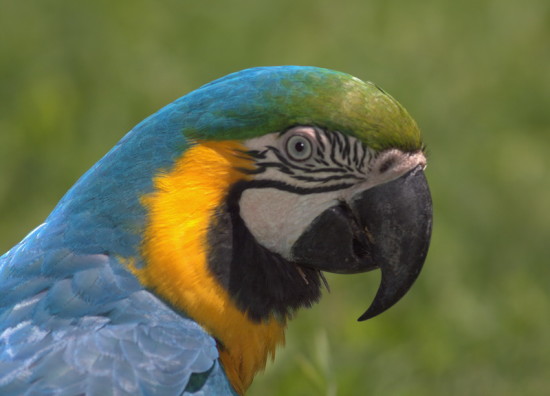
172	266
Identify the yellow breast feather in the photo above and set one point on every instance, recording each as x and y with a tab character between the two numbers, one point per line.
175	250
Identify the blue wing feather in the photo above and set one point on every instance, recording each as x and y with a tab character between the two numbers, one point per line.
81	324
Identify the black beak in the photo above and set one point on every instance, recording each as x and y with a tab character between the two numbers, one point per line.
387	227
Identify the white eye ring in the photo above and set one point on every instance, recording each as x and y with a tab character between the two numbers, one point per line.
299	147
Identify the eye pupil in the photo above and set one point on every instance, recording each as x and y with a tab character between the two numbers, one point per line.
299	146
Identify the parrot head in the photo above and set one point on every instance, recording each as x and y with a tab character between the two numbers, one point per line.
326	175
252	186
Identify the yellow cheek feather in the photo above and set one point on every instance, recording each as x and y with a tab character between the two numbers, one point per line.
175	252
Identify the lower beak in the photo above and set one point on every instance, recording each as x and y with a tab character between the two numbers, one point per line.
387	226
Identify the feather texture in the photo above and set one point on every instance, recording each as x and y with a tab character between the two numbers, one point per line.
81	324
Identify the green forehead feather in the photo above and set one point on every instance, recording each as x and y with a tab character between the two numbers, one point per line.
257	101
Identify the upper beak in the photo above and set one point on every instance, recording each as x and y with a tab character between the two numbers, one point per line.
387	226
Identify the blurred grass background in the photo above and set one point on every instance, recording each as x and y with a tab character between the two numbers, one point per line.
75	76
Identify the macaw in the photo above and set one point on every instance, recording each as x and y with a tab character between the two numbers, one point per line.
173	265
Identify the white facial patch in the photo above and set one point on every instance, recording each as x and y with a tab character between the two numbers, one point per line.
297	187
277	218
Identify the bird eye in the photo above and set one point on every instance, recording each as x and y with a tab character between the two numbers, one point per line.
299	147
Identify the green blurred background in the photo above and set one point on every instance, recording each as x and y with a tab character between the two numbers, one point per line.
76	75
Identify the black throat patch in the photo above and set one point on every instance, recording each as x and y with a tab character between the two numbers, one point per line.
261	283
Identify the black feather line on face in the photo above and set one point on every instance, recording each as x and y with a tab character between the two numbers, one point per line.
260	282
286	162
